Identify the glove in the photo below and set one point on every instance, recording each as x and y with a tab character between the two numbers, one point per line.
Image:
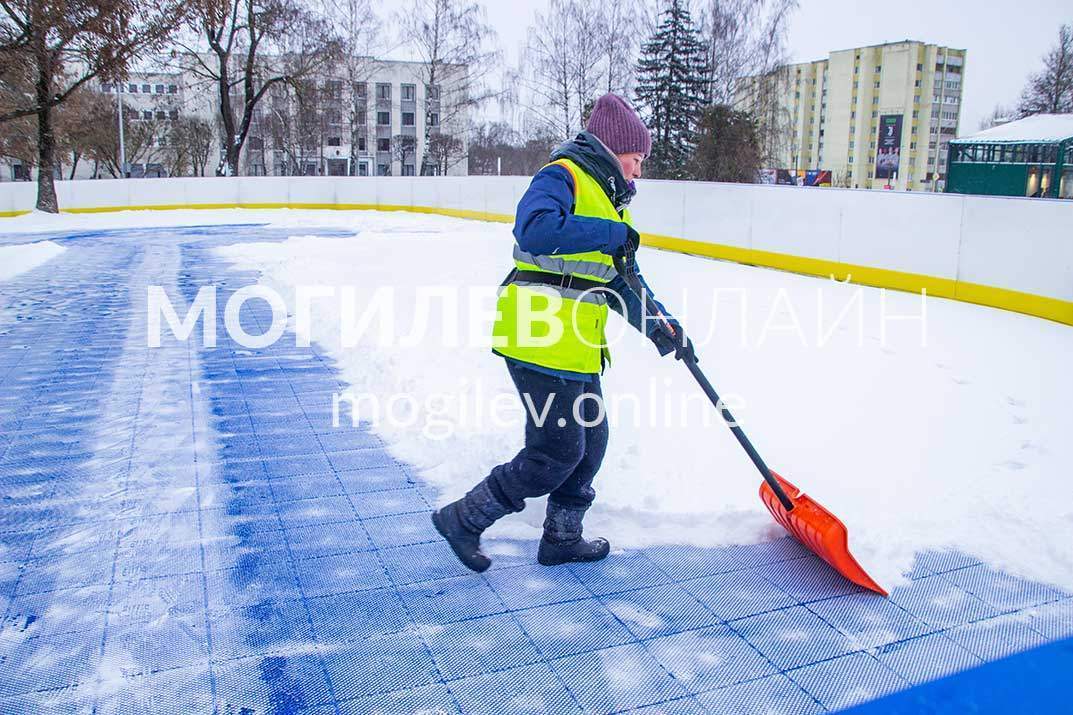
665	344
630	245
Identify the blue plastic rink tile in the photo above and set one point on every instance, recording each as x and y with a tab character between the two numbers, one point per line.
869	619
401	530
422	562
394	501
451	599
773	695
1001	590
688	562
274	683
1053	620
316	540
626	571
939	603
659	611
574	627
923	659
429	700
738	594
807	579
615	679
996	637
709	658
793	637
341	573
58	661
529	586
480	645
380	664
259	629
848	681
530	690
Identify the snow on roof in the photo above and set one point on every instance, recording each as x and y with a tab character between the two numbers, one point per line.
1037	128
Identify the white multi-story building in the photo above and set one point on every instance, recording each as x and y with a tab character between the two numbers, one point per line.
373	127
877	117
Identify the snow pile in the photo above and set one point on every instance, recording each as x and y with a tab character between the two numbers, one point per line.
25	257
1037	128
959	440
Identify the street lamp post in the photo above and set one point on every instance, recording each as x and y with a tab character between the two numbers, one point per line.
122	145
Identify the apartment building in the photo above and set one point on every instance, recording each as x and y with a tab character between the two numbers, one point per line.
877	117
336	127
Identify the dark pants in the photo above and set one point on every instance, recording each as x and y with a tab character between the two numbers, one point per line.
561	457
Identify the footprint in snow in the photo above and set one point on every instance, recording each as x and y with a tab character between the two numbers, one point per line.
961	380
1014	402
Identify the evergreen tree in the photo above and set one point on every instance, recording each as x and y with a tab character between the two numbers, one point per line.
671	88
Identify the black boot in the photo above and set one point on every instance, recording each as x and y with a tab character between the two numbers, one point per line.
462	522
562	542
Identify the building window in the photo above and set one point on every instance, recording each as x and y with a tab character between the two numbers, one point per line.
132	88
383	119
409	92
361	144
172	89
876	85
383	90
875	100
916	99
159	89
146	114
334	141
408	170
916	83
383	144
855	85
878	69
432	91
146	89
105	87
361	90
853	115
920	67
363	169
381	169
359	117
434	119
407	119
160	114
173	114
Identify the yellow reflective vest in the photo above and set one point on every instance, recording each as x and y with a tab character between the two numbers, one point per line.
556	327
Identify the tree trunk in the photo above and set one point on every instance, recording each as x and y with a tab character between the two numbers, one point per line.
46	149
74	166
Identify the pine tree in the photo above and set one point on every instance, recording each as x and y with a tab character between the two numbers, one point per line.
671	88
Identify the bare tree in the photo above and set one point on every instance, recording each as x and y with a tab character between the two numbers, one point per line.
190	139
999	115
619	31
452	40
1051	90
403	147
745	42
564	65
252	46
362	35
50	48
141	138
444	151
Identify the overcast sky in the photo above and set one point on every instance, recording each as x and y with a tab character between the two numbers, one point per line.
1005	40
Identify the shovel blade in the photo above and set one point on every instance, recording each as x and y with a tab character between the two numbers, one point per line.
819	530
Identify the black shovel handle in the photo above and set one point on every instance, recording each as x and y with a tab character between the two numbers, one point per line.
631	279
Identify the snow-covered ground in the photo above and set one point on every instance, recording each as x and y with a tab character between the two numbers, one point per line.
947	432
19	259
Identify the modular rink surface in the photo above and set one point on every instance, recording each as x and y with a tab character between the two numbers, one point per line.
183	531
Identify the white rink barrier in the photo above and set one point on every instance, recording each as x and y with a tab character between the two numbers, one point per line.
1010	253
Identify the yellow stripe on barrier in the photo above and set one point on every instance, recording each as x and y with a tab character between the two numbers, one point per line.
1060	311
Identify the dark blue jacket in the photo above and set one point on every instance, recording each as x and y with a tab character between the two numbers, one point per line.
545	225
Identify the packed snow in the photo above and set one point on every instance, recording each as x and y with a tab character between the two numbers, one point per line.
944	425
15	260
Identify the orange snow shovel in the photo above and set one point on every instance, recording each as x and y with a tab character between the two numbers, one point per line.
805	519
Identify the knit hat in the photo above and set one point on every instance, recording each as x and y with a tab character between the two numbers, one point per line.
616	124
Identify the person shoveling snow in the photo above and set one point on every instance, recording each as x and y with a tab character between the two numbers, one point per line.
570	226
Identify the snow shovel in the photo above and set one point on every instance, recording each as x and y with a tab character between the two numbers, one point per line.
806	520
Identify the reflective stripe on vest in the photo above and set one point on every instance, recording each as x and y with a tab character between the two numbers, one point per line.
522	327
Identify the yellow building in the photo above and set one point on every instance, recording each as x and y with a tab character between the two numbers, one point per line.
876	117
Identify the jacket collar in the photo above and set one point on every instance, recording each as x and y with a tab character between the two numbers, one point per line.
587	151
